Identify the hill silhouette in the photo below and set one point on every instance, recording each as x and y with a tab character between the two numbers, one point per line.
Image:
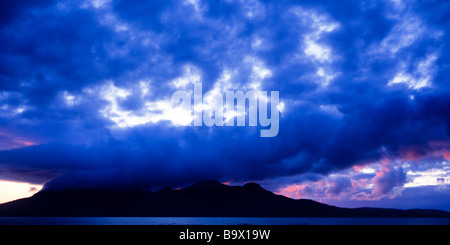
204	199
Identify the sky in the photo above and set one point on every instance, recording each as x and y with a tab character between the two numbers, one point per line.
364	97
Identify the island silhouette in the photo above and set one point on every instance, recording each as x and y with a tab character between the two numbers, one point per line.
204	199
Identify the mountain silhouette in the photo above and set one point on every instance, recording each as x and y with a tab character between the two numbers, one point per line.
204	199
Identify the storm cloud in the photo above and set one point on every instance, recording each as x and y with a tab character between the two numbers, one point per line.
85	90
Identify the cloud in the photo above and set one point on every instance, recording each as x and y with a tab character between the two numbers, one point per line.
377	181
428	197
13	11
85	91
387	181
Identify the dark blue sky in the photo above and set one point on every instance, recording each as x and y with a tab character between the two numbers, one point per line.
85	92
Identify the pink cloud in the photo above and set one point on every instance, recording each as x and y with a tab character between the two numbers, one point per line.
447	155
434	148
12	141
387	181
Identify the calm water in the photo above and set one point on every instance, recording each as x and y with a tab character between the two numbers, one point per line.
217	221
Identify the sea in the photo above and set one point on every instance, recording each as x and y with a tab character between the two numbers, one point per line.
218	221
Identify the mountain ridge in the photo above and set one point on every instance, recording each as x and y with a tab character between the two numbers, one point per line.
203	199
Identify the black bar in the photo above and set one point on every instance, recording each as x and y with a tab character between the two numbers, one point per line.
244	234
